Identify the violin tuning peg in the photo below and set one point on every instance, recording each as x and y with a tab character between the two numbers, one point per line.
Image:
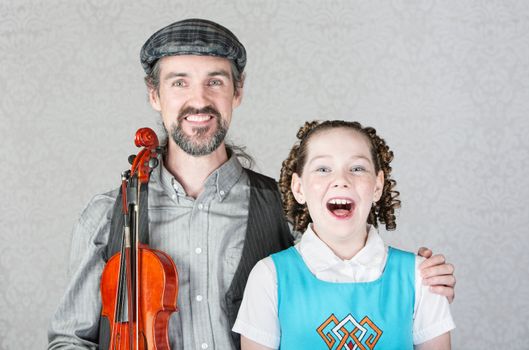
125	175
153	163
131	158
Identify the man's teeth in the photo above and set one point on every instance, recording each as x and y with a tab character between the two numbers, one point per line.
340	201
198	118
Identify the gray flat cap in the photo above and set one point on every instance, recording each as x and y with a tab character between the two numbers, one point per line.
193	37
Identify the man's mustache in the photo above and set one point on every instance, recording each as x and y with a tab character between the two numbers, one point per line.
204	110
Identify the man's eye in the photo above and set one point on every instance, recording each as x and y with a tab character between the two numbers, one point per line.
178	83
215	82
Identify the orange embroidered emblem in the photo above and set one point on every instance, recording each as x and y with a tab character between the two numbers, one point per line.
349	333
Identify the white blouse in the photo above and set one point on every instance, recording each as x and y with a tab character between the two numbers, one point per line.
258	319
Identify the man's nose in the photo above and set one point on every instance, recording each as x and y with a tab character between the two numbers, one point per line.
199	96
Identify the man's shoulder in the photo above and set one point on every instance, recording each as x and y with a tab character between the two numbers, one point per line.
258	179
99	207
104	199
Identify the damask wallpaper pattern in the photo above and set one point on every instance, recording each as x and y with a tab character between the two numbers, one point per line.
445	82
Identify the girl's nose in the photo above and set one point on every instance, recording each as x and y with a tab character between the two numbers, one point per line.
341	180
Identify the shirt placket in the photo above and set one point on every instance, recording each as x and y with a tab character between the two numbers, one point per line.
198	235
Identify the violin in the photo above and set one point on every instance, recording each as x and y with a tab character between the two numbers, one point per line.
139	285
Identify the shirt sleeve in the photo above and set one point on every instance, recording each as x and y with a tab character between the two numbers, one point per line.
432	315
257	319
75	324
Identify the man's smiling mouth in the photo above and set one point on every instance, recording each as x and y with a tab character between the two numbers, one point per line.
198	118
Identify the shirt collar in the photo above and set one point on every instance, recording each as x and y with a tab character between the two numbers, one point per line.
320	257
223	178
168	182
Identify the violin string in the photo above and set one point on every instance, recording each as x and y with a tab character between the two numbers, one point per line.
137	277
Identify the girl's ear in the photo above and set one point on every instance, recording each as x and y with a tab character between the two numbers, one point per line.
297	189
379	186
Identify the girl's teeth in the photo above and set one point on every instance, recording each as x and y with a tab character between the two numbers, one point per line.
339	201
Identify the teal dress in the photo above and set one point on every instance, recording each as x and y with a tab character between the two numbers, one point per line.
315	314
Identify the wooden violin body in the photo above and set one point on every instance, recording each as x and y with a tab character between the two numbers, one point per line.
158	291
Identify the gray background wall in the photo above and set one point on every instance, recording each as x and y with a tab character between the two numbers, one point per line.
445	82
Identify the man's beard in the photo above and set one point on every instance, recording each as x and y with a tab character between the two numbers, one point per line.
198	144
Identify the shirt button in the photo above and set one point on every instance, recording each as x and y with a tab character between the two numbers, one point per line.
204	346
173	196
198	250
200	206
199	298
222	193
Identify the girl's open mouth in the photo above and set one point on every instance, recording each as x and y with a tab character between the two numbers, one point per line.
340	207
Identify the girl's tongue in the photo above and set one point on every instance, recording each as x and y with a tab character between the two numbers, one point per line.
340	207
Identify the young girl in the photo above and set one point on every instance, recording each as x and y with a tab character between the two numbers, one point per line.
340	287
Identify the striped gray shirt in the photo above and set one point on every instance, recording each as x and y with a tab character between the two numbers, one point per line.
204	236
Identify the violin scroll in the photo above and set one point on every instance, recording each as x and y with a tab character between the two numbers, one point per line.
146	159
146	137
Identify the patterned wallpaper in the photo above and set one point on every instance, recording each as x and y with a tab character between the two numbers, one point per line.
445	82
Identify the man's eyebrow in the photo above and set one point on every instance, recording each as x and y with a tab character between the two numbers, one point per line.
221	72
174	75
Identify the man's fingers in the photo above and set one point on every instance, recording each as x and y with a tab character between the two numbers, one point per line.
446	280
425	252
439	275
437	270
437	259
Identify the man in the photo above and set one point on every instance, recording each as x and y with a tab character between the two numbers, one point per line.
212	216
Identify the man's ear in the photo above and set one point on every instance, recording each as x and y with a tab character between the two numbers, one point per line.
379	186
297	189
238	93
154	99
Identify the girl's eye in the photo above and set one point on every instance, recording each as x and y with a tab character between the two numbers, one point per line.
358	169
323	169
